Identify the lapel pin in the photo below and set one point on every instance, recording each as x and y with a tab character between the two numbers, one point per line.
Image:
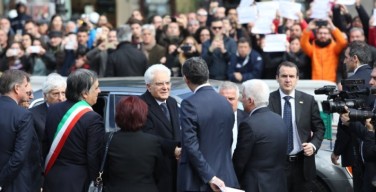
301	102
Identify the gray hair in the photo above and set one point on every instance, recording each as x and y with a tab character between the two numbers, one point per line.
356	29
10	78
229	85
149	27
361	50
150	72
124	33
53	81
78	82
258	90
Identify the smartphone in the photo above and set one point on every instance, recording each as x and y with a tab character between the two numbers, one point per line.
34	49
19	32
99	30
320	23
185	48
69	45
13	52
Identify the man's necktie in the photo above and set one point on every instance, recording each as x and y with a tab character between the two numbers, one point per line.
165	111
287	117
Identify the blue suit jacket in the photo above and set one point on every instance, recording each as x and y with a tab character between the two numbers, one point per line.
17	151
207	120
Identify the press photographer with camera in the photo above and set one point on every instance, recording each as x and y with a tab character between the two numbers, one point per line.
351	134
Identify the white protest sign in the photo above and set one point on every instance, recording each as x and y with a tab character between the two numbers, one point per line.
275	43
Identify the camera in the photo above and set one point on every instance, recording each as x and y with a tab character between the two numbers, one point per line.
353	96
320	23
186	48
361	115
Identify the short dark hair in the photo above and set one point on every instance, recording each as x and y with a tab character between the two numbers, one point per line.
30	21
10	78
288	64
215	20
198	33
132	21
131	113
244	40
196	70
361	50
78	82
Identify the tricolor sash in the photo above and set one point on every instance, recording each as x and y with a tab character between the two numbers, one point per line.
65	126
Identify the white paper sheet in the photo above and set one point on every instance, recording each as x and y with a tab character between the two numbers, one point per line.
244	3
267	9
289	10
344	2
275	43
229	189
320	9
247	14
263	25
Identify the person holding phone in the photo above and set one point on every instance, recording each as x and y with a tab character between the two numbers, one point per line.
16	59
324	50
217	51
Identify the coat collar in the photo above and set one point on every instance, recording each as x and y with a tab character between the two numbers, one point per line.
155	109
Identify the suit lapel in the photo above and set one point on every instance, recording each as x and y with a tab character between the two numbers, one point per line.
298	106
156	110
275	102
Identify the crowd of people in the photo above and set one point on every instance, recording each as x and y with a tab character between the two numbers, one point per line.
206	145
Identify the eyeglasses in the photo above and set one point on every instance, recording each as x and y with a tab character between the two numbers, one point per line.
216	28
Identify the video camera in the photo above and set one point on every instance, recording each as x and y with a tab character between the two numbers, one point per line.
353	97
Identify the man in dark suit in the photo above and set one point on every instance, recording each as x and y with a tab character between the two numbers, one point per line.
126	60
347	144
53	92
207	121
306	131
231	92
163	122
76	162
260	154
18	150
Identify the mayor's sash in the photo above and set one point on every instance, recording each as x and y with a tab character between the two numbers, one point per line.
65	126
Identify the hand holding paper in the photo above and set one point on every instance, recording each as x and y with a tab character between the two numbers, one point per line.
217	184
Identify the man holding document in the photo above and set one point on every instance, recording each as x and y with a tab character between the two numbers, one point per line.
207	120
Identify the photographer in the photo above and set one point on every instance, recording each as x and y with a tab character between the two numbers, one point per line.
188	48
347	144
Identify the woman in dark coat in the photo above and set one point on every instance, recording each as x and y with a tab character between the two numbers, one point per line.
134	156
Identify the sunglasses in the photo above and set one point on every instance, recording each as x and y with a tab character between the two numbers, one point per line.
216	28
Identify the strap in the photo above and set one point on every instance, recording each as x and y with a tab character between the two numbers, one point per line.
99	178
63	130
